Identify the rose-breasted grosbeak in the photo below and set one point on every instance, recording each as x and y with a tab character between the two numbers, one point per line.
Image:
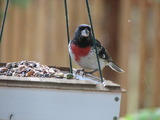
82	51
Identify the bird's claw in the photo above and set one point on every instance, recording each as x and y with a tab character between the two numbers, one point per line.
84	72
79	70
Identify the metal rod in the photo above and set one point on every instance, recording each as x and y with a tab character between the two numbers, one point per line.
4	18
67	27
94	41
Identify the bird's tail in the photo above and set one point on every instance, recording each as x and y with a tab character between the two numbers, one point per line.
115	67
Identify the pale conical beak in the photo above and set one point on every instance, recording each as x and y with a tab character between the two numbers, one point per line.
85	33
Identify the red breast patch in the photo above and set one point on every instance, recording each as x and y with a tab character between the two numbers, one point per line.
79	52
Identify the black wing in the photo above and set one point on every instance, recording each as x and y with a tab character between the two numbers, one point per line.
102	52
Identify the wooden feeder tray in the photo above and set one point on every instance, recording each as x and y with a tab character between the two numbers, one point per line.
87	82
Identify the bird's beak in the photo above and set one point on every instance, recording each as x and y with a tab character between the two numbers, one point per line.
85	33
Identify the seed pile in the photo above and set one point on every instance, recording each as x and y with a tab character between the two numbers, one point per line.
32	69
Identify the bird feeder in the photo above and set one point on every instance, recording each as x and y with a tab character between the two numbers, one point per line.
80	98
84	97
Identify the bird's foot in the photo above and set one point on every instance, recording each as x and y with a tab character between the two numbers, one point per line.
91	72
79	70
84	72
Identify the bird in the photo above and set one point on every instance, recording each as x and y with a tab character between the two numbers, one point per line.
83	53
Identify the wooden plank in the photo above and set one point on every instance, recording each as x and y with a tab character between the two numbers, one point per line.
143	52
61	40
39	40
109	32
50	30
33	80
62	84
21	34
54	83
29	41
123	50
16	33
156	55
